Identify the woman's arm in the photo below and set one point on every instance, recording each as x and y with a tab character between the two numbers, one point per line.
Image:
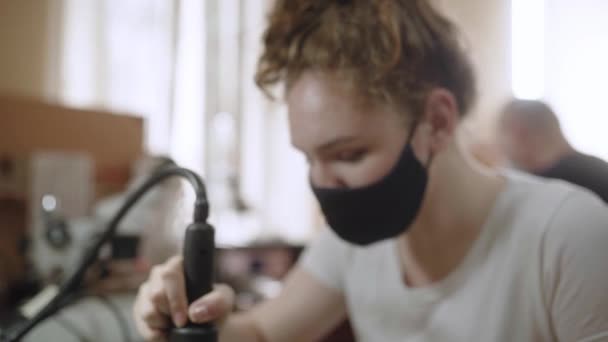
304	311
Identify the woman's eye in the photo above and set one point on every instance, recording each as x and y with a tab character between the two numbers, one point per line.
351	156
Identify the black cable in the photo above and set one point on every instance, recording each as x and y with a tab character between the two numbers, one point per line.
115	310
201	211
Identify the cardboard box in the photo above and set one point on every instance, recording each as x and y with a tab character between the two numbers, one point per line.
113	141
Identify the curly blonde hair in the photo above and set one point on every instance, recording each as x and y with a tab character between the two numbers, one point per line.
394	51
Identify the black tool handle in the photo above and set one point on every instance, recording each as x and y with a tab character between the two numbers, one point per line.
199	248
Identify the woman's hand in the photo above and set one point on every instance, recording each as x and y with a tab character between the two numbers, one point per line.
161	302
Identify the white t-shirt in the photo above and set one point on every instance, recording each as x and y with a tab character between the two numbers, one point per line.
537	272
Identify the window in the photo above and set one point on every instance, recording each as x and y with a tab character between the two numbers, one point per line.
560	51
187	67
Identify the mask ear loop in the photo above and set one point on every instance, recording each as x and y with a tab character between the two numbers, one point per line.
410	134
411	137
428	161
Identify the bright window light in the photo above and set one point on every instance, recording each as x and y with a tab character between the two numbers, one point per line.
528	48
188	133
576	53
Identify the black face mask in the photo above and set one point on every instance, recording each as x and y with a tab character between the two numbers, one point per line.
378	211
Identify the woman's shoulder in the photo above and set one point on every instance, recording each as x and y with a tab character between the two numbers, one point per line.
573	264
537	196
557	210
580	221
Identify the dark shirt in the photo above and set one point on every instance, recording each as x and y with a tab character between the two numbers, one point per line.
583	170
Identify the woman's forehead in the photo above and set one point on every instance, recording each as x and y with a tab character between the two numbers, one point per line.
315	92
321	108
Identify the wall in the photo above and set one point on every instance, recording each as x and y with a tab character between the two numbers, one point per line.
486	27
24	28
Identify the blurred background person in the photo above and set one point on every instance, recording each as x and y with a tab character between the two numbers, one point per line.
532	140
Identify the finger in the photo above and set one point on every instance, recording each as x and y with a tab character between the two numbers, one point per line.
157	296
156	336
154	319
213	306
148	321
175	290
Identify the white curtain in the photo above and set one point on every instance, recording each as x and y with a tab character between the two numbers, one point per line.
119	55
187	67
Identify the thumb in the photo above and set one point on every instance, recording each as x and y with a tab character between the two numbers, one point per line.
215	305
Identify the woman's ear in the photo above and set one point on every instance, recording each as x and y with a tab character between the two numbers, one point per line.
442	115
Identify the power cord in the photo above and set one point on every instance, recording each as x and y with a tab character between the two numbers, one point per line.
201	212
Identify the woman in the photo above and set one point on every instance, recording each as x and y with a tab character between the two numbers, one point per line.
425	244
